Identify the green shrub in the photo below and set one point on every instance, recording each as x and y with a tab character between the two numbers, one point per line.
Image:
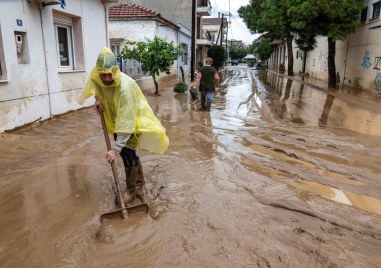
180	87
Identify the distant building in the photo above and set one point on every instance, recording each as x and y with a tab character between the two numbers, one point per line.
130	22
212	27
180	13
236	43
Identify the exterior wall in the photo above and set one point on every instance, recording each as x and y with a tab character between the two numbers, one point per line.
317	60
185	61
132	30
178	12
358	58
138	30
31	89
362	53
214	32
174	11
279	56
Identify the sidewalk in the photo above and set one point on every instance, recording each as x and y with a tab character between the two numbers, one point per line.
368	100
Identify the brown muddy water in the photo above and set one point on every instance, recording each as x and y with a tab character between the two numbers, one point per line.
278	174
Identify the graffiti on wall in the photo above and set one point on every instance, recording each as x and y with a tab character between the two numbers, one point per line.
377	63
323	62
366	63
377	81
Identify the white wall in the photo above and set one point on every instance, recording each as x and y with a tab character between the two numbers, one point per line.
185	37
30	91
138	30
356	57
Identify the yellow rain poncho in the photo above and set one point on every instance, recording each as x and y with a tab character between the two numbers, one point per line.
126	109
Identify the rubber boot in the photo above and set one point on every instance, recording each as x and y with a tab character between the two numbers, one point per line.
140	178
140	182
131	177
203	102
208	105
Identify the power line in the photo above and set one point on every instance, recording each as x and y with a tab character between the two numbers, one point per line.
241	27
174	11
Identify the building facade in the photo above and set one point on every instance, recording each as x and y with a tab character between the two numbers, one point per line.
131	22
358	58
46	53
181	13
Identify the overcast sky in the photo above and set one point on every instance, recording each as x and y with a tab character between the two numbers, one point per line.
237	29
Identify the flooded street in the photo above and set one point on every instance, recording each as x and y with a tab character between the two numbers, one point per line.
278	174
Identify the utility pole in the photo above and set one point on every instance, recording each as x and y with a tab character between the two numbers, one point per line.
193	42
222	29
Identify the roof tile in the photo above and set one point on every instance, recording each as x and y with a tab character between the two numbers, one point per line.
129	10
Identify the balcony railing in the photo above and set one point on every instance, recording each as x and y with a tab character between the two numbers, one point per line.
204	7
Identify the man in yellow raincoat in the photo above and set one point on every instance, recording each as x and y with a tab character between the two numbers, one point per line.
128	116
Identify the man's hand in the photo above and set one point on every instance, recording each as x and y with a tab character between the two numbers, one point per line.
98	106
111	155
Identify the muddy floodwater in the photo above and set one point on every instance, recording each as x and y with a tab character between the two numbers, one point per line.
278	174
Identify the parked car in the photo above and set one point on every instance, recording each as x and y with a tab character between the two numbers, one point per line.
259	65
234	62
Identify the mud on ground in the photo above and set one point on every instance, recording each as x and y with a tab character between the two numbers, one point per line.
242	186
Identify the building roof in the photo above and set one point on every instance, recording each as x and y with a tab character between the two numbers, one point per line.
129	10
249	56
213	21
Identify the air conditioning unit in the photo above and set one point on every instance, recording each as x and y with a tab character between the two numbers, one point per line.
50	2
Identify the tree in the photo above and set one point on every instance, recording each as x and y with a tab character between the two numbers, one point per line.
263	49
156	56
238	53
334	19
218	54
271	17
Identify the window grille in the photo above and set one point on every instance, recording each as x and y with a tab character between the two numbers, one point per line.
376	10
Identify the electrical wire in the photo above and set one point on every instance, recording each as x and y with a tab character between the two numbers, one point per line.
174	11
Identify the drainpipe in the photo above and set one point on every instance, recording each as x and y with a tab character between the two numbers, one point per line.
105	5
178	58
193	42
45	59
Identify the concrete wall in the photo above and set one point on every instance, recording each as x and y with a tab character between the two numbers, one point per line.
177	12
32	86
185	61
358	58
138	30
174	11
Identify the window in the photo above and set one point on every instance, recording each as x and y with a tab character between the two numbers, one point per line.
3	69
115	48
364	14
69	42
376	10
65	47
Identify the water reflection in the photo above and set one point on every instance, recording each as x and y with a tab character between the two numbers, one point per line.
366	203
292	101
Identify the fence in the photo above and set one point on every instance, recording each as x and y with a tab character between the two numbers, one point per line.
132	68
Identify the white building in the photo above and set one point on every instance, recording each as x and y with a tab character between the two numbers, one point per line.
358	58
130	22
46	53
